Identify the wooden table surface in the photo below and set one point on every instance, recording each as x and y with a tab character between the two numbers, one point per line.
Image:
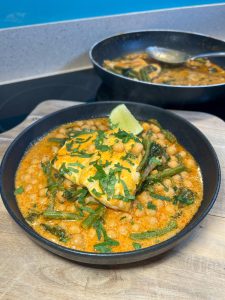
193	270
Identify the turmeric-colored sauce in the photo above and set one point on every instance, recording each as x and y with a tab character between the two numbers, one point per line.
140	66
91	188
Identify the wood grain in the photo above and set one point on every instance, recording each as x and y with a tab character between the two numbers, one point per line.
193	270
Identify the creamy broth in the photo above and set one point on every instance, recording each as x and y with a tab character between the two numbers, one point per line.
77	217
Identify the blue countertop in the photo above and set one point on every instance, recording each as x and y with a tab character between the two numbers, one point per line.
26	12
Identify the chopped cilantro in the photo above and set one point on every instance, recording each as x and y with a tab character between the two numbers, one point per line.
76	164
128	158
19	190
139	206
99	142
150	205
136	246
96	193
125	136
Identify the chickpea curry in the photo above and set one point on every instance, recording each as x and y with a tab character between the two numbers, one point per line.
140	66
92	186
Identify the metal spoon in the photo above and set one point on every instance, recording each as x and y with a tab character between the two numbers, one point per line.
171	56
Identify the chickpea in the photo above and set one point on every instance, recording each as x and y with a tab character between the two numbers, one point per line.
139	213
80	123
43	192
61	207
150	212
27	178
34	161
159	203
28	188
155	128
78	240
137	148
33	197
135	227
30	170
60	197
45	158
170	209
190	163
153	221
62	130
67	183
159	188
85	127
34	181
146	126
182	153
144	197
123	230
74	228
90	122
161	142
119	147
187	183
136	176
112	234
126	216
172	163
60	136
93	127
176	178
167	182
111	223
92	233
154	171
55	149
77	128
184	174
91	148
102	127
98	123
171	192
43	200
160	136
171	150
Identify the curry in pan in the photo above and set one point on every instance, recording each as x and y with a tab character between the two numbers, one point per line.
140	66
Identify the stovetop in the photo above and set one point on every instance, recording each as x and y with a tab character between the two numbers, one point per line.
17	100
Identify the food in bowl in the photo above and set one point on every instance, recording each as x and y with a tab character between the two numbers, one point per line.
93	186
140	66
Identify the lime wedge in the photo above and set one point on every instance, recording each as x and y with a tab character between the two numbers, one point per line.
123	118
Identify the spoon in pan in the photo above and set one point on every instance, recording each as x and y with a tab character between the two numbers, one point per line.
175	57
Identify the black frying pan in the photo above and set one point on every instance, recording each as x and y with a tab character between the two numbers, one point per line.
157	94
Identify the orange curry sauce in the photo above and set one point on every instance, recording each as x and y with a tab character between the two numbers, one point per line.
159	210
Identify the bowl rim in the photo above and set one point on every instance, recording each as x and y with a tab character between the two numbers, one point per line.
95	63
84	254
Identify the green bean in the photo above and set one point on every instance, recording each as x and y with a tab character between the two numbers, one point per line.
144	75
169	136
60	141
57	231
93	217
166	173
60	215
154	233
147	147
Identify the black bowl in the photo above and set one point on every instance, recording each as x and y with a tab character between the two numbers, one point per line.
189	136
157	94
